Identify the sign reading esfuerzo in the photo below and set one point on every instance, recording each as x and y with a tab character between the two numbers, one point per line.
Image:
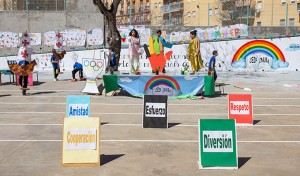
217	143
240	108
81	141
155	111
78	106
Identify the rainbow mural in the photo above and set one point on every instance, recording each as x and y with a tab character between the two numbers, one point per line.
262	47
258	46
162	85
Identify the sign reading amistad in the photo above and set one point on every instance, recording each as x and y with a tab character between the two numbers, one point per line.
217	144
78	106
240	108
155	111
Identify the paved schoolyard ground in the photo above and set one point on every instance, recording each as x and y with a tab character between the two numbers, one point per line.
31	130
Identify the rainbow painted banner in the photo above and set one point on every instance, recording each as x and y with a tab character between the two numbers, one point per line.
177	86
266	49
258	46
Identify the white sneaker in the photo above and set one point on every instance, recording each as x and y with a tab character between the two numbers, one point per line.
55	79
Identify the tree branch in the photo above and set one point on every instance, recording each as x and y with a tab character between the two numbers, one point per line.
101	7
115	4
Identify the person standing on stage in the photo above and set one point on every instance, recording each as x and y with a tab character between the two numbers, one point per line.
194	54
164	44
212	65
24	58
133	50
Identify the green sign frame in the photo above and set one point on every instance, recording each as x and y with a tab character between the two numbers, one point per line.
217	144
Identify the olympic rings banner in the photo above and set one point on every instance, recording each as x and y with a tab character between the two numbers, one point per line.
93	68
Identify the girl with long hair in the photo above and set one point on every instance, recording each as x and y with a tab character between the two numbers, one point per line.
133	50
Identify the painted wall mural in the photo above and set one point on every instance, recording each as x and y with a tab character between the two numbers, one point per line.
237	55
9	39
254	55
259	52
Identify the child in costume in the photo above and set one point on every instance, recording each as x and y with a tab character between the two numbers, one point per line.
55	60
23	59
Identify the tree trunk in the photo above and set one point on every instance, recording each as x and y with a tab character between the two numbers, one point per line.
114	37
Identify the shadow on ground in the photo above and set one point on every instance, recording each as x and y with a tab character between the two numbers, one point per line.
37	83
242	161
217	94
170	125
6	95
255	122
104	159
126	94
43	92
8	83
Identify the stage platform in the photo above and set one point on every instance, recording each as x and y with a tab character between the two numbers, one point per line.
175	86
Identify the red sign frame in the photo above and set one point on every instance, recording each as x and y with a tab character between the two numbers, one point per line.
240	108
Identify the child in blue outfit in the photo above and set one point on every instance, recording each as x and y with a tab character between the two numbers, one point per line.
112	58
77	67
55	65
212	64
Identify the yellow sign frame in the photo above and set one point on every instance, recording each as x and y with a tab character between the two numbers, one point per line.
81	157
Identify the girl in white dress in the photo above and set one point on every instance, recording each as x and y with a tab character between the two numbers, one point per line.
133	50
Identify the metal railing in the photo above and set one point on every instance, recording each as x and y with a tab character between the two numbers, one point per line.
147	8
32	5
174	21
171	7
132	10
137	18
